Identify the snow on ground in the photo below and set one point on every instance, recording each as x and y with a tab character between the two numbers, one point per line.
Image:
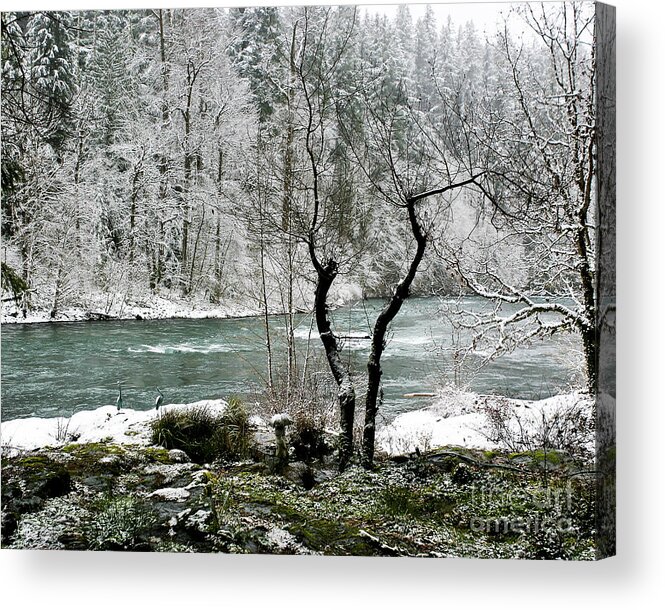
461	419
455	419
105	423
151	308
156	307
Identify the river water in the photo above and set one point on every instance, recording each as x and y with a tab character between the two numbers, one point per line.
56	369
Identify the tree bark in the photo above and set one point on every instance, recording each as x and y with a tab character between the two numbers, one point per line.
384	319
326	274
264	288
346	392
605	321
163	164
185	206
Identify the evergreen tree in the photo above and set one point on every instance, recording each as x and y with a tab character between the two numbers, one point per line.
258	54
52	64
111	77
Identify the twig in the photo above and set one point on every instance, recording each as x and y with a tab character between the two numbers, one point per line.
391	550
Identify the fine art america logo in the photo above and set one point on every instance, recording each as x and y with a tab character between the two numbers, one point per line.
551	511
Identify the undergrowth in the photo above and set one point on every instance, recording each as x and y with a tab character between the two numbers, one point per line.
206	436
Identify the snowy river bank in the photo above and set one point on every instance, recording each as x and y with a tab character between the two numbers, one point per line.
454	419
152	308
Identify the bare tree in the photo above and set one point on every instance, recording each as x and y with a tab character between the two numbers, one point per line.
313	70
404	161
532	247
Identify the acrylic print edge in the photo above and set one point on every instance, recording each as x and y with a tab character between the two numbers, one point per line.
606	280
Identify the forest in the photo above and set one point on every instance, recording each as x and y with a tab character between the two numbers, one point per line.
290	160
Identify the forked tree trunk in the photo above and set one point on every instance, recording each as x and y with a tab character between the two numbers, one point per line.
388	314
326	274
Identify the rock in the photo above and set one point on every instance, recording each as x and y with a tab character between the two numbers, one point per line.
199	479
170	494
280	541
169	475
178	456
114	462
324	474
9	523
95	316
29	480
73	541
200	521
299	473
307	475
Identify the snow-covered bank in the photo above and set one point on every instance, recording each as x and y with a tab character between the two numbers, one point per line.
103	424
153	308
157	307
483	422
454	419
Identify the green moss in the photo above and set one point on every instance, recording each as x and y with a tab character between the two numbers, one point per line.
41	476
38	462
417	503
93	449
460	450
93	458
157	454
539	456
394	509
324	535
400	501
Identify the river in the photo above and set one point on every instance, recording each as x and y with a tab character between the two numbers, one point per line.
55	369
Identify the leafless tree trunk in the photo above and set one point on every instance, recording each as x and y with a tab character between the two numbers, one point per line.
287	213
387	315
326	271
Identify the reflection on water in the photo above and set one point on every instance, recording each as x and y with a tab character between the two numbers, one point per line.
55	369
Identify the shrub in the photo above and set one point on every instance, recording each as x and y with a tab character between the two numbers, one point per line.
400	501
203	435
568	429
309	435
233	438
309	404
122	523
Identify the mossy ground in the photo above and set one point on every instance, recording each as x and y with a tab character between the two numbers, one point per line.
450	502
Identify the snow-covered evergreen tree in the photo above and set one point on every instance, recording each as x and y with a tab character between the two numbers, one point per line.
52	63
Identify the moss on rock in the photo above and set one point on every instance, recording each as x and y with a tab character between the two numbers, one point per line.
425	505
